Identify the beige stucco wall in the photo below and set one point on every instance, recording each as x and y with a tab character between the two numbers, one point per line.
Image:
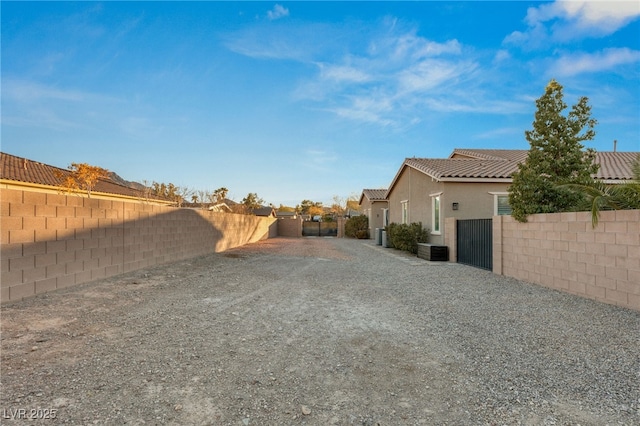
475	200
374	211
51	241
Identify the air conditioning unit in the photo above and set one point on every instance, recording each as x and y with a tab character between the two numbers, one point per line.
433	252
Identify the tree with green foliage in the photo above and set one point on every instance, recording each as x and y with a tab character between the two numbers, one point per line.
311	208
556	157
252	202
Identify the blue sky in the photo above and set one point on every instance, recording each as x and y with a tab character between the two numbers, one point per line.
303	100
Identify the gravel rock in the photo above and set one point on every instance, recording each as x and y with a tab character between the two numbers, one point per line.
318	331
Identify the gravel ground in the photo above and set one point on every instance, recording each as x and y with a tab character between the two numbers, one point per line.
318	331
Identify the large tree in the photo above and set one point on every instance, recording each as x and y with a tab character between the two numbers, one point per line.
556	157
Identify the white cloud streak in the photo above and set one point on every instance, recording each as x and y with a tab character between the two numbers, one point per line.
564	21
607	60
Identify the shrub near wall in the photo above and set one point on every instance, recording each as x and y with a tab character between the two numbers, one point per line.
406	237
52	241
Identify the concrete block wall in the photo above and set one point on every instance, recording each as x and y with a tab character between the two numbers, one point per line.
290	227
563	251
52	241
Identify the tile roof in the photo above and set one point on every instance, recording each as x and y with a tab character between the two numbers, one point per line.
442	168
613	165
489	164
616	165
374	194
517	155
20	169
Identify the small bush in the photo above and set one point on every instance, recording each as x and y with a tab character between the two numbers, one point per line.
406	237
355	224
361	234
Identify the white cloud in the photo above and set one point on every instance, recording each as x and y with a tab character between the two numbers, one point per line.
563	21
343	73
277	12
433	74
27	91
608	59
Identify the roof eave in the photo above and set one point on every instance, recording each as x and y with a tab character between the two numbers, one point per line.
29	186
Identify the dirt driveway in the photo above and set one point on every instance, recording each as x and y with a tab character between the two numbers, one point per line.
318	331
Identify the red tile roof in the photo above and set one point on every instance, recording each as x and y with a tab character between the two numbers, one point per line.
20	169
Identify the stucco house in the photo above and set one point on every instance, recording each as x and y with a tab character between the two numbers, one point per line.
471	184
374	205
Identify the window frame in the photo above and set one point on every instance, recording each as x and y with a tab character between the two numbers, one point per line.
496	196
404	211
436	203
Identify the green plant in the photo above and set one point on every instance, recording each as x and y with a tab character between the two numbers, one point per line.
601	196
407	236
556	157
355	224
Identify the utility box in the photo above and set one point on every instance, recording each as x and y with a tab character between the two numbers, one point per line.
433	252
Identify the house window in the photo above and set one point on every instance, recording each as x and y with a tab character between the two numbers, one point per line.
435	213
405	211
501	205
385	217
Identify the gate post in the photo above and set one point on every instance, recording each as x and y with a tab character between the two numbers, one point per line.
497	245
451	238
341	221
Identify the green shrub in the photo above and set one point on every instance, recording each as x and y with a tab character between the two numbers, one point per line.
355	224
406	237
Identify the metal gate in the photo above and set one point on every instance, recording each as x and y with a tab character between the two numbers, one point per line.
319	229
475	242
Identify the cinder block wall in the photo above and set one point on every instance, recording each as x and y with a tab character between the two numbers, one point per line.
52	241
290	227
563	252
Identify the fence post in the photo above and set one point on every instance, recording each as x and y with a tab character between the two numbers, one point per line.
497	245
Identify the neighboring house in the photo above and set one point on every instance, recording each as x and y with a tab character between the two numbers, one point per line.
27	175
286	215
471	184
264	211
375	206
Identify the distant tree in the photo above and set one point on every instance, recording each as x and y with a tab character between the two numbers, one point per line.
311	208
283	208
182	194
220	194
203	197
252	202
338	206
556	157
81	177
353	204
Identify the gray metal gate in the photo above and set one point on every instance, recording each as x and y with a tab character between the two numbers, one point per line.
475	242
319	229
